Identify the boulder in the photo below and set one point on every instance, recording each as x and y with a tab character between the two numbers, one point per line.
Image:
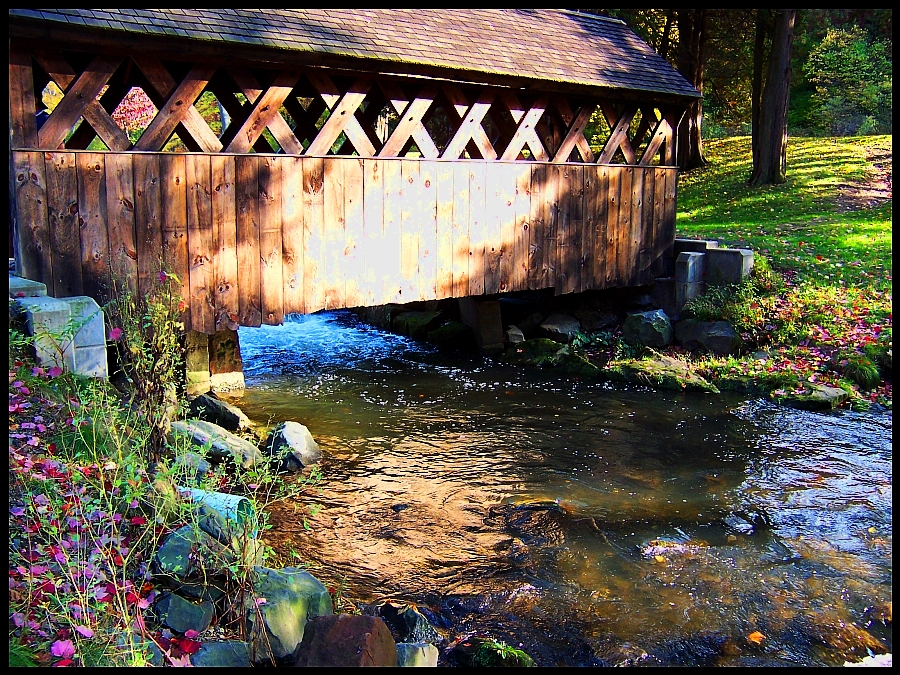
407	623
195	465
717	337
211	409
286	600
226	654
572	363
291	444
173	557
662	372
514	335
182	615
816	397
416	655
415	324
346	640
651	329
535	352
560	327
223	445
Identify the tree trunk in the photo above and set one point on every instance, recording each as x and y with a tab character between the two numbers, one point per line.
691	56
770	158
759	57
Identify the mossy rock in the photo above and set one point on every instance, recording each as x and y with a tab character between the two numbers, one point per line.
816	397
453	335
415	324
572	363
536	352
491	654
661	372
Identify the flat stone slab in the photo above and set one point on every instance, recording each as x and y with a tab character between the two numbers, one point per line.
662	372
25	288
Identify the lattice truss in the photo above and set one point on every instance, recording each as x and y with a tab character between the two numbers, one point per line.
318	112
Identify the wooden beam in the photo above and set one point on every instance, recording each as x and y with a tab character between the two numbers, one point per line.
78	96
660	134
342	117
574	137
274	122
525	133
95	114
23	128
470	128
177	109
162	81
618	138
410	125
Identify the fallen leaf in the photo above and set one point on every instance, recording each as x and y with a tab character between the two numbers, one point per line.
756	637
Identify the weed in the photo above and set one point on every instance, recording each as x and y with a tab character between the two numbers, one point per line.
860	369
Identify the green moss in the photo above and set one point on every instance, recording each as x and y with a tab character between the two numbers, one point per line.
661	372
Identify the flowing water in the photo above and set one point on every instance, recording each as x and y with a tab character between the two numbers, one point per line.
592	524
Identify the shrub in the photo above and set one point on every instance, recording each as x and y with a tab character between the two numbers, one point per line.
860	369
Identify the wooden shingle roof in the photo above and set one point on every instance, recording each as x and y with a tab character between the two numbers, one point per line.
518	46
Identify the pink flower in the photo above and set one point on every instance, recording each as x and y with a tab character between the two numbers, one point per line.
115	334
161	277
84	631
55	371
62	649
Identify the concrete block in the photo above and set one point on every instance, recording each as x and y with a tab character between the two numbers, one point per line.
25	288
47	320
693	246
222	382
728	265
690	267
91	361
196	348
685	292
87	314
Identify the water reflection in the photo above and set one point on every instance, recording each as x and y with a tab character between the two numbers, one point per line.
596	525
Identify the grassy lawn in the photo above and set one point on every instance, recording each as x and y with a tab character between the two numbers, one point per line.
826	233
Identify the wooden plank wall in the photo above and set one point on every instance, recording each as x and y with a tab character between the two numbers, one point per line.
255	237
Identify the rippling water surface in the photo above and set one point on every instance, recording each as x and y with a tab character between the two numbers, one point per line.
593	524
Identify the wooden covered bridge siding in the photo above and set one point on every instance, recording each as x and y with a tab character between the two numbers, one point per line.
254	237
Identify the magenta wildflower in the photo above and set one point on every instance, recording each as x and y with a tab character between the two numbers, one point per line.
62	649
115	334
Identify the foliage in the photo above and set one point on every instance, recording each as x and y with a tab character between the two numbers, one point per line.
828	296
494	653
151	334
87	513
607	346
852	76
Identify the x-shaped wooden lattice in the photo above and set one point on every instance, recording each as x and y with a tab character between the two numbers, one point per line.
80	100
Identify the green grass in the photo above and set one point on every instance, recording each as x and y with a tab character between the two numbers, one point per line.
834	308
799	224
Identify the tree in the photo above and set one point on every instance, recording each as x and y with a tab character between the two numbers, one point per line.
852	79
691	61
770	141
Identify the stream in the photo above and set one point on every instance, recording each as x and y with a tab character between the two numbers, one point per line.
588	523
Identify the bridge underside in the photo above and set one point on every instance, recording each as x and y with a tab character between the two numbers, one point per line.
254	237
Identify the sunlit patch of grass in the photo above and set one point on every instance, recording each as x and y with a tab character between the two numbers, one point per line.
837	263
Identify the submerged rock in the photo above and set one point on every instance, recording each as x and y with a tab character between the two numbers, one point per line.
292	446
416	324
662	372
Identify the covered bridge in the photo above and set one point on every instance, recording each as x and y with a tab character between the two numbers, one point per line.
295	160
